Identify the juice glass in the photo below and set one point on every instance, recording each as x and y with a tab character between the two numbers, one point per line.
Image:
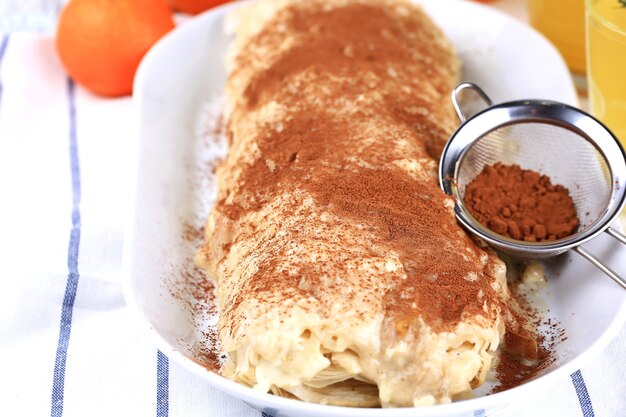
606	63
563	23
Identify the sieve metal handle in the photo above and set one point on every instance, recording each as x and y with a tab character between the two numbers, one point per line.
598	264
617	235
465	86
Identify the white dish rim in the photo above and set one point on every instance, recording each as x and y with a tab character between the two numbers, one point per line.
270	401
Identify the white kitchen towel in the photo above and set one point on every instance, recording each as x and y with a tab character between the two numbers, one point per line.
68	344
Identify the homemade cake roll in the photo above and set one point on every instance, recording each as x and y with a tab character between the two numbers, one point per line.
342	275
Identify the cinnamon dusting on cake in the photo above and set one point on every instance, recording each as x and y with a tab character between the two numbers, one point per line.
329	199
318	150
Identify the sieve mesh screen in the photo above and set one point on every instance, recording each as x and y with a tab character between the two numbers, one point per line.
563	155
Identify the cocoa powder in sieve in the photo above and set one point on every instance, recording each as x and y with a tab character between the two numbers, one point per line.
521	204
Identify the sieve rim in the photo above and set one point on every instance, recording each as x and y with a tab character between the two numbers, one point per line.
535	111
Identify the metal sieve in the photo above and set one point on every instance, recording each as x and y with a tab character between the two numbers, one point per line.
568	145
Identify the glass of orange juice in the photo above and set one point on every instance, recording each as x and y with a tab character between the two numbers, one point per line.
606	63
563	23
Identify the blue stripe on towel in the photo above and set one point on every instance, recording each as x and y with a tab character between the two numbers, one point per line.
583	395
163	402
58	382
269	412
3	45
3	48
479	413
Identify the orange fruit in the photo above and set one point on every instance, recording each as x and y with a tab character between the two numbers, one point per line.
101	42
195	6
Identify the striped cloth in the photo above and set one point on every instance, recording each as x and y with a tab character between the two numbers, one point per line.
68	344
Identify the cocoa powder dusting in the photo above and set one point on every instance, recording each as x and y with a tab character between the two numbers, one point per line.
319	150
190	286
512	372
529	344
194	290
200	296
192	234
410	217
367	46
521	204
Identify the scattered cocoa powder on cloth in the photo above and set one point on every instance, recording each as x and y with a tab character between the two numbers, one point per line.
521	204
